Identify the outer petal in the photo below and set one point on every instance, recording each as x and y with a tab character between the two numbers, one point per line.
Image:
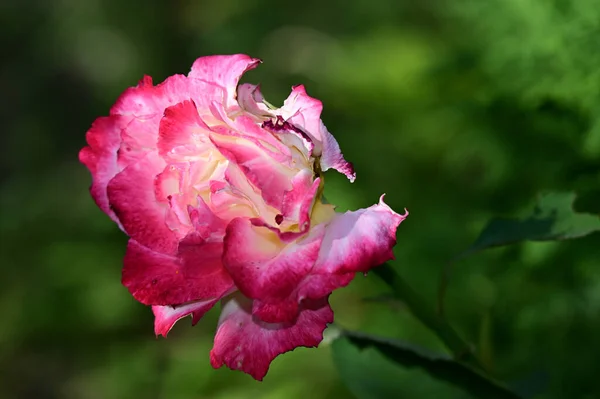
146	99
138	138
304	112
195	272
139	110
224	71
265	268
283	274
132	197
131	131
356	241
158	279
165	317
353	242
100	157
244	343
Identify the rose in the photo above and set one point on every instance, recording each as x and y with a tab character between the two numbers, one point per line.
221	196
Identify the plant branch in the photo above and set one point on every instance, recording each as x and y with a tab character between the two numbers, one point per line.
461	350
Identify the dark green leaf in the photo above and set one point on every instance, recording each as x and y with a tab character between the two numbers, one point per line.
373	377
552	218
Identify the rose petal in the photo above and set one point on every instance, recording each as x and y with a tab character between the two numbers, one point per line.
196	273
244	126
244	343
304	112
236	197
353	242
165	317
138	138
100	157
259	165
145	99
252	101
223	71
132	129
132	197
263	267
169	181
294	138
357	240
298	202
182	133
283	274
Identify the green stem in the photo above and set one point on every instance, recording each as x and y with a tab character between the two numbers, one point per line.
462	351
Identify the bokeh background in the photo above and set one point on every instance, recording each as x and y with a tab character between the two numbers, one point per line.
459	110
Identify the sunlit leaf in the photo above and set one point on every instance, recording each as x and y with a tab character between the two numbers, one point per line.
552	218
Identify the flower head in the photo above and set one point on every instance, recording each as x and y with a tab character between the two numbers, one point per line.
220	195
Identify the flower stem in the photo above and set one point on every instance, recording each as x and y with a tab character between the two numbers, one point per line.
461	350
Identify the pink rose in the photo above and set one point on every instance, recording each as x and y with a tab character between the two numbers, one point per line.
221	196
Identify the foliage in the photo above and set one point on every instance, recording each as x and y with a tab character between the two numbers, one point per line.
459	110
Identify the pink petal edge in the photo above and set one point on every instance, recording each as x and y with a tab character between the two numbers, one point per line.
244	343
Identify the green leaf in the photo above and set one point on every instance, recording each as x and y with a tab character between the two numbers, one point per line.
552	218
372	376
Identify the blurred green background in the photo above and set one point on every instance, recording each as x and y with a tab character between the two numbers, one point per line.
458	110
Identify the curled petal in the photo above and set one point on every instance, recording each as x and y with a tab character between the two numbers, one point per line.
140	109
168	182
298	202
146	99
293	137
100	157
332	157
165	317
353	242
304	112
245	343
252	101
358	240
182	133
327	258
223	71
